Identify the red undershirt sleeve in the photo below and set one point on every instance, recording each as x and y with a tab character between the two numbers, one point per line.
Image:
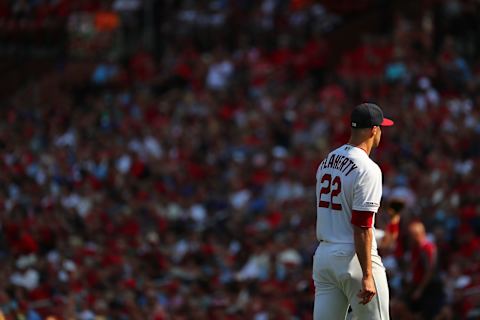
362	219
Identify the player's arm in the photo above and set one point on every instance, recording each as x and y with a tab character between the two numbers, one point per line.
363	236
366	201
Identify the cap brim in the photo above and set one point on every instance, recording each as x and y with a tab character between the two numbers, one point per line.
387	122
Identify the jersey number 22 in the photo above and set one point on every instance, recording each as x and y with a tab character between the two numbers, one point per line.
332	188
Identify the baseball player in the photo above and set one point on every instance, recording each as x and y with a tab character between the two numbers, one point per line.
347	269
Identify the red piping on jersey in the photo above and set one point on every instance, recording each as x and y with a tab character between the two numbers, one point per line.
362	219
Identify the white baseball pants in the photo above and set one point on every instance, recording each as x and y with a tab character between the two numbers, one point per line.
337	276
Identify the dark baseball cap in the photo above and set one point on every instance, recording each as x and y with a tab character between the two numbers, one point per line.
367	115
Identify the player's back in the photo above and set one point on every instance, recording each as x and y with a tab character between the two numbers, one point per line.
347	179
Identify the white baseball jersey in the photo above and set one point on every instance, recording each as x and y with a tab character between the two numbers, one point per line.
347	179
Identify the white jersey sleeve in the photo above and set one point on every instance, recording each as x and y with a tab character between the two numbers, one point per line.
367	192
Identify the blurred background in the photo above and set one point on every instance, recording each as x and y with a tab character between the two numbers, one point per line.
158	157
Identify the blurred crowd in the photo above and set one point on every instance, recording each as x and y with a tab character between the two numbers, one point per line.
180	183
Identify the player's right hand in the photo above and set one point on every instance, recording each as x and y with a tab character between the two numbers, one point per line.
368	290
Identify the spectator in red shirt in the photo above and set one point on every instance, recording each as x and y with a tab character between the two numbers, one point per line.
394	210
426	289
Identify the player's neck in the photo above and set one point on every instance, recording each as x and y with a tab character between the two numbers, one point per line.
364	145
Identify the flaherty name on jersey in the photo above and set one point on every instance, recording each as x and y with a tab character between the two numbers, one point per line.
338	162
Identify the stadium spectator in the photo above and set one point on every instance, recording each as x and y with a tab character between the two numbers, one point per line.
426	289
177	183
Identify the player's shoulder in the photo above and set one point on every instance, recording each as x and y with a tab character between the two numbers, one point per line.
373	172
366	165
372	167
